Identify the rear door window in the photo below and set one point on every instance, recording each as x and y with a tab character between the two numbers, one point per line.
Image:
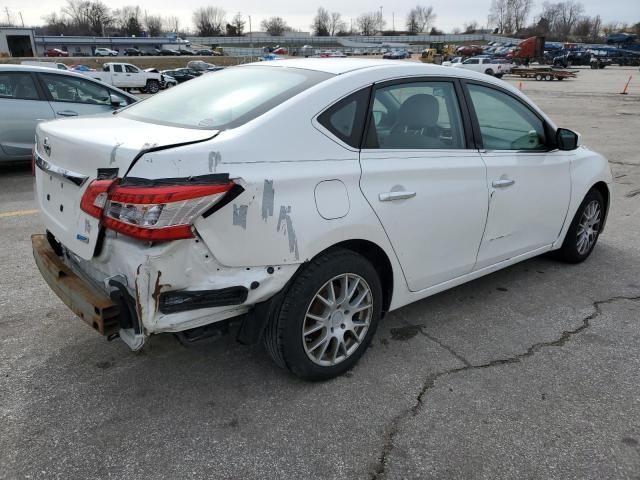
416	115
18	86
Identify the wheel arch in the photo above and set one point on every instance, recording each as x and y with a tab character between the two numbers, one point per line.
376	256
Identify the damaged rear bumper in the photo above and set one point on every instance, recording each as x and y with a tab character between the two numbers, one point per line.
136	290
90	304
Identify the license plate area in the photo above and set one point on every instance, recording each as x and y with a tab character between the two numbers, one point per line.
60	199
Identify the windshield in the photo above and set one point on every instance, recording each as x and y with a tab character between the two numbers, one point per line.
225	99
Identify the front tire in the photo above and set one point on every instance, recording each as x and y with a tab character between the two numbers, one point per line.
327	317
153	86
585	229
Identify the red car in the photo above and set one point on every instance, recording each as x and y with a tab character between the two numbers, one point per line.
469	50
55	52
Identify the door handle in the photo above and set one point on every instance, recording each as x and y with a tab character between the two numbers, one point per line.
502	183
390	196
67	113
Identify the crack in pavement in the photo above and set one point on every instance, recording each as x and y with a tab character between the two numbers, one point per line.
392	430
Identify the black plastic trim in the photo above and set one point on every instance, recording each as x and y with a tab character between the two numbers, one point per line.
212	179
182	301
231	195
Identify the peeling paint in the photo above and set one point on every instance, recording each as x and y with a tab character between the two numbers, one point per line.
268	194
112	156
147	146
286	225
240	215
214	160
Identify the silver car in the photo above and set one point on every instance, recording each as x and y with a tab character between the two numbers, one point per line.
29	95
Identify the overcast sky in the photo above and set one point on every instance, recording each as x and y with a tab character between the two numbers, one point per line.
299	13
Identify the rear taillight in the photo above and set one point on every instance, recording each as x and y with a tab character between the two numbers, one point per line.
150	213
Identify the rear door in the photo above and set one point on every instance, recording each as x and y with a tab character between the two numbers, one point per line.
424	178
71	96
22	106
528	179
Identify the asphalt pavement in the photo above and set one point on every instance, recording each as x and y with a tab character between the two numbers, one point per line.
531	372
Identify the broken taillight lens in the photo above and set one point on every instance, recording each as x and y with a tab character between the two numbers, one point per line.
151	213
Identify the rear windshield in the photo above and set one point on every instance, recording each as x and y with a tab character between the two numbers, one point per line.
226	98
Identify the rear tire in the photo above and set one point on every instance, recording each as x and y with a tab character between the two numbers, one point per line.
585	228
328	316
489	71
538	77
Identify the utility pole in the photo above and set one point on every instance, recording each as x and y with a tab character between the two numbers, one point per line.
21	19
6	9
250	35
380	19
393	21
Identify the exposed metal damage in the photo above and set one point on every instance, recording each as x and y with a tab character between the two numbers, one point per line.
240	215
268	195
285	224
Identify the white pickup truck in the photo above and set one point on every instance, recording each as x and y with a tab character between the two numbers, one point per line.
485	65
126	76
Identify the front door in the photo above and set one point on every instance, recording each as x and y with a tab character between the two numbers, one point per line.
134	78
424	179
528	180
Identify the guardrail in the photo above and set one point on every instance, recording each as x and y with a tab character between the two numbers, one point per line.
376	39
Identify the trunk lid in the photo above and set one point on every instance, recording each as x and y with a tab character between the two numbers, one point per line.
71	153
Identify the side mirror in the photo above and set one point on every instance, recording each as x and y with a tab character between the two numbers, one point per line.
117	102
567	139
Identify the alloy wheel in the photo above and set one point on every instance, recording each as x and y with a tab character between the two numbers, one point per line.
337	319
588	227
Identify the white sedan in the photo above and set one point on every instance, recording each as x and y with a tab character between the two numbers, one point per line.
305	197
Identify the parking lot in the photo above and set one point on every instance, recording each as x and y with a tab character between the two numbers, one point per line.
531	372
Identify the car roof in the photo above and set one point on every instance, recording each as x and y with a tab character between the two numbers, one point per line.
339	66
33	68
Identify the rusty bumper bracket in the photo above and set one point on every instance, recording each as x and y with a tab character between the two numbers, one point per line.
91	305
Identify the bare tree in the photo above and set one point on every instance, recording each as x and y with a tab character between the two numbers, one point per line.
470	27
209	21
368	23
321	22
509	16
412	22
275	26
587	29
570	12
87	17
336	24
238	23
172	23
153	25
426	17
128	20
500	17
